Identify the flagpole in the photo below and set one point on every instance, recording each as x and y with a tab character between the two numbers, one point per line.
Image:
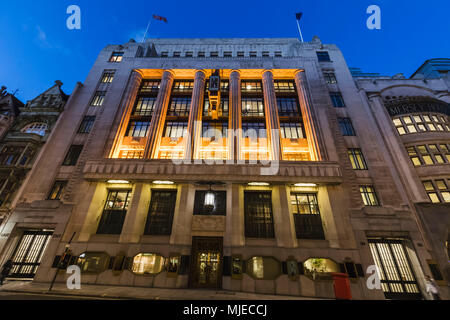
299	30
145	34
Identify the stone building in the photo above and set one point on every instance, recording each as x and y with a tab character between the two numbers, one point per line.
256	165
23	131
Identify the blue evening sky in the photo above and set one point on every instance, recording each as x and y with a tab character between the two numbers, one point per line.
36	48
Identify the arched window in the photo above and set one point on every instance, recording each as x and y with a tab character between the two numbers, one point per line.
35	127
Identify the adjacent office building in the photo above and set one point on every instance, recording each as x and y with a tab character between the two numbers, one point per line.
256	165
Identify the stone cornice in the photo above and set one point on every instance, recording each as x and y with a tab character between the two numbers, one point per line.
317	172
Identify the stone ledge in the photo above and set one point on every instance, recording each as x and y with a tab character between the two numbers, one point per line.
325	172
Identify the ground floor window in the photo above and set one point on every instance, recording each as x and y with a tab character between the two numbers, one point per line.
308	223
114	212
394	267
160	212
258	214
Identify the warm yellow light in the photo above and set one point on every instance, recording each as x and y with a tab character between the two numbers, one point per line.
258	183
118	181
305	185
163	182
249	87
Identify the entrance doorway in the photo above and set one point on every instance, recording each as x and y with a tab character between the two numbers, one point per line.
396	274
206	268
28	253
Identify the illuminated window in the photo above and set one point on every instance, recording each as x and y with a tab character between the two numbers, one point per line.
87	124
38	128
292	130
357	159
288	106
181	86
98	98
175	129
317	268
147	263
251	86
420	123
150	86
284	86
93	262
307	220
57	190
263	268
138	129
258	215
114	212
144	106
414	156
252	107
107	77
438	191
160	212
179	107
116	57
346	126
330	77
369	196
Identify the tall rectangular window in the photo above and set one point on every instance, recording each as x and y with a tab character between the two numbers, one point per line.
346	126
107	77
258	215
323	56
98	98
284	86
72	155
357	159
337	100
87	124
57	190
116	57
114	212
330	77
369	196
291	130
160	212
308	224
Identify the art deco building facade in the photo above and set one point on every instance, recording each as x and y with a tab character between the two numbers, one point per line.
257	165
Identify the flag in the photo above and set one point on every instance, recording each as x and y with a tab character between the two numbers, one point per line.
159	18
298	15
